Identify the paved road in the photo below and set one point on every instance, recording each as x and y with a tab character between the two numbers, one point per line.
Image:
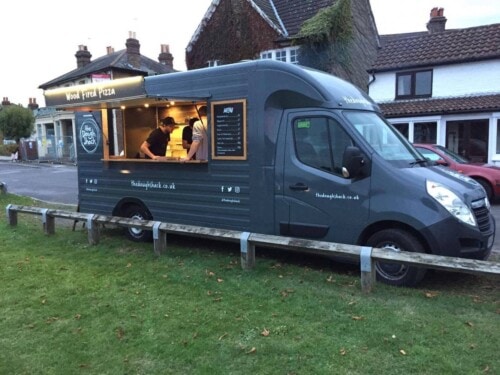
55	183
58	183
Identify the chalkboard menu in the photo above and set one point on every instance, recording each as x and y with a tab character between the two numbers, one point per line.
229	139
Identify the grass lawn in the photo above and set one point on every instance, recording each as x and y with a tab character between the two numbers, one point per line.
70	308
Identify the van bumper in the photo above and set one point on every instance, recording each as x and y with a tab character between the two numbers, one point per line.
470	243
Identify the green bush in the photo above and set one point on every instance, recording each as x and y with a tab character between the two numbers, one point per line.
6	150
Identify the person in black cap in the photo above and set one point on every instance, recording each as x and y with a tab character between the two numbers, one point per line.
155	146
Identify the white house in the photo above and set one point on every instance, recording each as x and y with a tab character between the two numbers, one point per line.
443	86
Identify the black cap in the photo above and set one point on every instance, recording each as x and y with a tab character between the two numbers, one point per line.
168	121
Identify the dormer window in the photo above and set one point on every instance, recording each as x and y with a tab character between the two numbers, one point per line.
416	84
289	55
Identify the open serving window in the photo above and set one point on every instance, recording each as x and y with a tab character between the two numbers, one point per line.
128	114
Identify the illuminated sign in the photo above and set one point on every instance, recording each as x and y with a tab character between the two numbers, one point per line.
117	89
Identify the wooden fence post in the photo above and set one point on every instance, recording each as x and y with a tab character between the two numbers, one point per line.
159	238
368	272
247	251
12	216
92	230
49	222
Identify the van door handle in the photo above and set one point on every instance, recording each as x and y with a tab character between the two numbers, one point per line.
299	186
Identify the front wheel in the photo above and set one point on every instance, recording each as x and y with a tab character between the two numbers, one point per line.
397	274
487	188
137	234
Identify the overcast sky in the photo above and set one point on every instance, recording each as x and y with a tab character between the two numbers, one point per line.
40	37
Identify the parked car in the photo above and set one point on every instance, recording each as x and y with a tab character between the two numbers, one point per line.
486	174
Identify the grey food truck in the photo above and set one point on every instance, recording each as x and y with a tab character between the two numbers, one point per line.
292	151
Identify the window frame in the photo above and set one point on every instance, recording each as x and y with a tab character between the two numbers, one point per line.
413	83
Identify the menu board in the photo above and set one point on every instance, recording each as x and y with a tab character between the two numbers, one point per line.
229	140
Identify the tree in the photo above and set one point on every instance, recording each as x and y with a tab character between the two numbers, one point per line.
16	122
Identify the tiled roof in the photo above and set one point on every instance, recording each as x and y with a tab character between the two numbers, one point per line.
293	13
443	106
268	10
285	16
401	51
113	61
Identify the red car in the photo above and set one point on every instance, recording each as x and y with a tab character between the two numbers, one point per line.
486	174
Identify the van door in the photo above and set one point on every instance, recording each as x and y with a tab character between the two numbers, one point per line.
315	200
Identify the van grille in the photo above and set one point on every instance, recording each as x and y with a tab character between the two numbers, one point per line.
482	217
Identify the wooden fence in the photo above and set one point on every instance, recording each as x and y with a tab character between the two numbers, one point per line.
367	256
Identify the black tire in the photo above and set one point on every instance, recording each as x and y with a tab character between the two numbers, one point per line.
136	211
487	188
397	274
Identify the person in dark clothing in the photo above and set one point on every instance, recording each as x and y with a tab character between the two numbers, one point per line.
155	146
187	134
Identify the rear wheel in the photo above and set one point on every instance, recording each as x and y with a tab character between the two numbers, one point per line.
397	274
136	211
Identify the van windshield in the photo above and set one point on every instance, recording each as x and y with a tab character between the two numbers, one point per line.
385	140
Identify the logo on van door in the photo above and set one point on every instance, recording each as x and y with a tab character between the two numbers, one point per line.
90	136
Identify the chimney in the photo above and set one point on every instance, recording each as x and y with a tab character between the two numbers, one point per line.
33	104
82	56
165	57
109	50
437	21
5	101
133	50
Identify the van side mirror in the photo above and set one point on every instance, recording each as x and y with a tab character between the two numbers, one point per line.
352	163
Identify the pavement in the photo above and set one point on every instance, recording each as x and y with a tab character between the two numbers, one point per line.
58	183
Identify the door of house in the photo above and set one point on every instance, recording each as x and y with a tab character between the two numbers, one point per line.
468	138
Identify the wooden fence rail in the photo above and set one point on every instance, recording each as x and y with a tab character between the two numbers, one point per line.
366	256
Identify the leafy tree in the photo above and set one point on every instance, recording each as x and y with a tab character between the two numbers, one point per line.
16	122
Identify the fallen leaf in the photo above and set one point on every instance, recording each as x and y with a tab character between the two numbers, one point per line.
129	265
221	337
486	369
252	351
431	294
402	352
343	351
330	279
470	324
78	316
357	318
265	332
219	280
120	333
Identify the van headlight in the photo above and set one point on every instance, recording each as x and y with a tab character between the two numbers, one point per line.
449	200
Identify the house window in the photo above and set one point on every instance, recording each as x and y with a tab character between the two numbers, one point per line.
425	132
403	128
414	84
266	55
289	55
281	56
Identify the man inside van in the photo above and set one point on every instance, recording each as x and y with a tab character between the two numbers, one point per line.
155	146
200	138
